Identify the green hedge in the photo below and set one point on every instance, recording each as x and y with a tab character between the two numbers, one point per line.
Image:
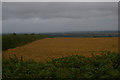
12	41
106	66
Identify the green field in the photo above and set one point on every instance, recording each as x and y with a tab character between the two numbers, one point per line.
13	40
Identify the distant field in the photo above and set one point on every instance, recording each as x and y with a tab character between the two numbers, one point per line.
45	49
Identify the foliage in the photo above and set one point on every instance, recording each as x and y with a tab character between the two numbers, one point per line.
14	33
75	67
12	41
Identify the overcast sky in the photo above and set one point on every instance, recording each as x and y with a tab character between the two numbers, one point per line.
0	18
60	0
59	17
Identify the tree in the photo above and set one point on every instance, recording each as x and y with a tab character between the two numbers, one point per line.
109	35
32	33
14	33
25	34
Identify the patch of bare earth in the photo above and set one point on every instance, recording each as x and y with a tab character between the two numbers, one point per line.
45	49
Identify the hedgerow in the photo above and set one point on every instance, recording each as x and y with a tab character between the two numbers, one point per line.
75	67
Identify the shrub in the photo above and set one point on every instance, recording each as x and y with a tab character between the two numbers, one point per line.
14	33
106	66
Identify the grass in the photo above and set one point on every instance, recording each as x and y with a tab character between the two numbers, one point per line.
75	67
13	40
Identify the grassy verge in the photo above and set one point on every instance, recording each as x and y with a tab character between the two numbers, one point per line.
106	66
12	41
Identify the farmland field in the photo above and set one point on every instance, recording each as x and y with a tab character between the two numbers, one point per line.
45	49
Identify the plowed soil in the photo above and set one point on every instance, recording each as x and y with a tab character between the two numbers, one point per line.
45	49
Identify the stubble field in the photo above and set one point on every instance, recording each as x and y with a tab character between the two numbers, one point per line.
45	49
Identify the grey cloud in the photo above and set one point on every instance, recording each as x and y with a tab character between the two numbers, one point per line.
57	10
59	17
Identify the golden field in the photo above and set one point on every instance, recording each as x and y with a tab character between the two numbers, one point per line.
45	49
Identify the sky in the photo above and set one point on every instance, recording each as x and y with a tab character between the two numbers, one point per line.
59	0
41	17
0	18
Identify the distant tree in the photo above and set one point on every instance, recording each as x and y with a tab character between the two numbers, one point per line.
25	34
109	35
32	33
94	36
14	33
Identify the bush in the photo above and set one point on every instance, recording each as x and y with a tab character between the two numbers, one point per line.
14	33
106	66
32	33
